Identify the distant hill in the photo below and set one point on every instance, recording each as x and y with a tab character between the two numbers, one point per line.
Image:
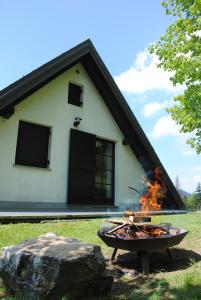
184	193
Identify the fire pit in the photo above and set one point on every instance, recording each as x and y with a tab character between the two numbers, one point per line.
134	233
140	237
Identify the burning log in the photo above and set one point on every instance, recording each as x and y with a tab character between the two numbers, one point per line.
136	218
116	228
136	231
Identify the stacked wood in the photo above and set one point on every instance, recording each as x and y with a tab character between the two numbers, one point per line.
129	230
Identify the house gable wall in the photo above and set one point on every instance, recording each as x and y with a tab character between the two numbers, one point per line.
48	106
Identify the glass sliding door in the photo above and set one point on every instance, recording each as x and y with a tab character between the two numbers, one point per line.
104	172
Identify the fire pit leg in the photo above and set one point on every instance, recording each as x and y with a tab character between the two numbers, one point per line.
169	254
113	254
145	262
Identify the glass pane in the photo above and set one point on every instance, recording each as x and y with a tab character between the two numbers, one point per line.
107	177
108	191
107	163
99	191
98	187
104	148
104	191
99	147
98	163
109	149
98	177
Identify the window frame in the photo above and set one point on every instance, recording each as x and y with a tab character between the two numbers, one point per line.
27	161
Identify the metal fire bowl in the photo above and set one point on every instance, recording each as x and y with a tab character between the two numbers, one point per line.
147	244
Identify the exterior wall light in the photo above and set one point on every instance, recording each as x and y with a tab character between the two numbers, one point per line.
77	121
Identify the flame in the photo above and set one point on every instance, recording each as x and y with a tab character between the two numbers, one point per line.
157	232
156	192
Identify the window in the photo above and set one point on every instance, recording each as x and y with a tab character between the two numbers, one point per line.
32	145
75	94
104	171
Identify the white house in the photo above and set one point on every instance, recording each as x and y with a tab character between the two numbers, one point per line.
68	137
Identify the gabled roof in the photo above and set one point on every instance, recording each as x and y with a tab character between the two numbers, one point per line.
86	54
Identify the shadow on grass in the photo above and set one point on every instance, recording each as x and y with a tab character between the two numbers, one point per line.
159	261
136	286
151	288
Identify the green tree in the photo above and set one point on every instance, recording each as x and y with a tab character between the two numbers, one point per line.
194	201
179	50
197	194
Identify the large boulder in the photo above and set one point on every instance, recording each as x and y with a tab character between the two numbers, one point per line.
50	266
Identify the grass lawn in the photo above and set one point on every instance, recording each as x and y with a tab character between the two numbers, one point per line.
180	279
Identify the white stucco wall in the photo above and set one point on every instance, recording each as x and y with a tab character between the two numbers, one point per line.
48	106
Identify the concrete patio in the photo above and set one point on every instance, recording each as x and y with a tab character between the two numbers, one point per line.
38	216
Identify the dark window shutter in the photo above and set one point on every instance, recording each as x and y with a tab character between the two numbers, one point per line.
32	145
74	94
81	167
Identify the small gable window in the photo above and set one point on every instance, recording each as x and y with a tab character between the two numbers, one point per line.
32	145
75	94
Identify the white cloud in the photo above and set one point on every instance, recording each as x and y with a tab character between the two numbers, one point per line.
150	108
183	146
189	183
165	126
188	152
197	178
145	76
197	169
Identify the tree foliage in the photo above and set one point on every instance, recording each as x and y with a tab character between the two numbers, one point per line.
194	201
179	50
198	193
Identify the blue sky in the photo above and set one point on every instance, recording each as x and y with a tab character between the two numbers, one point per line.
33	32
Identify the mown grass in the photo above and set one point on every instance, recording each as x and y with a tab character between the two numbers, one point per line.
175	281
